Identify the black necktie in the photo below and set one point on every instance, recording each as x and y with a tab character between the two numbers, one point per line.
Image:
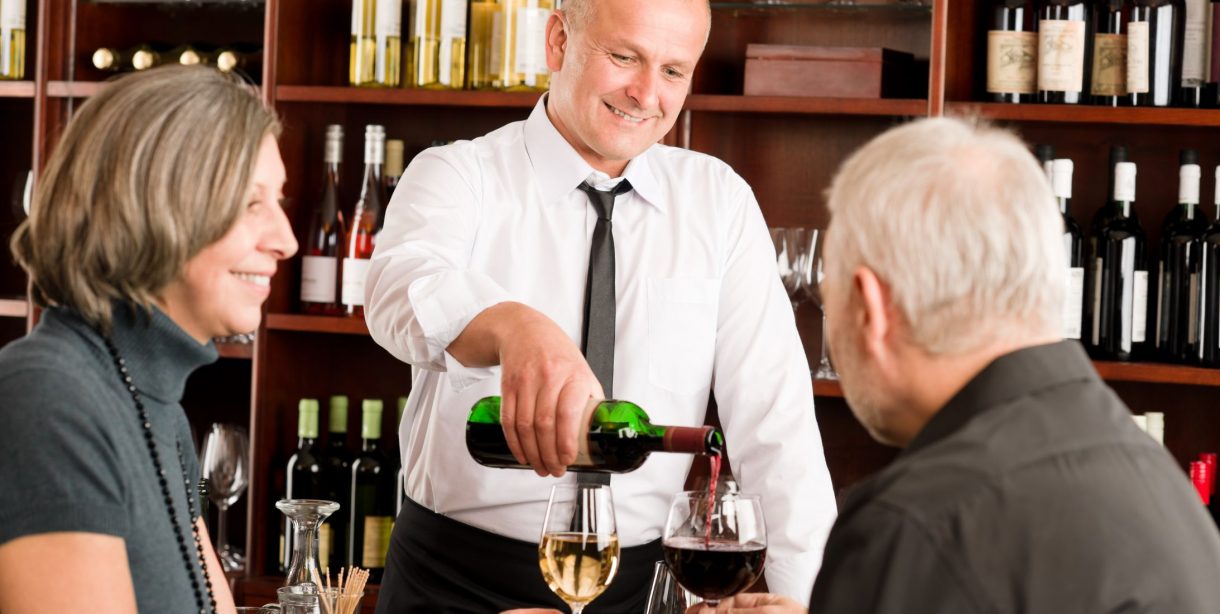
598	336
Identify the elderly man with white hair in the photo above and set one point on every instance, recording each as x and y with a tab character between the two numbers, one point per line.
1023	485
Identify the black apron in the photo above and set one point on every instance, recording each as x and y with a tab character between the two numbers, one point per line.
437	565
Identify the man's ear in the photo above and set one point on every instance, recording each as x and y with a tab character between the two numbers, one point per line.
556	40
871	298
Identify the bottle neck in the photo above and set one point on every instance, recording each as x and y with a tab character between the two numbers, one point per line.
306	442
1189	210
1064	205
338	440
372	180
686	439
369	445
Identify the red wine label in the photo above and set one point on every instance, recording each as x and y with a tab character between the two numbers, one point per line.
1012	62
1061	55
1109	65
685	439
1137	57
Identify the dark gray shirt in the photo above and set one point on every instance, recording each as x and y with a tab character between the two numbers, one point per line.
74	456
1033	491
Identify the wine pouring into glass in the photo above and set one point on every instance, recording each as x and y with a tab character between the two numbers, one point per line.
225	466
715	546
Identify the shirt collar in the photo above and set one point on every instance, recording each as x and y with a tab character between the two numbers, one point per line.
1020	373
159	354
559	169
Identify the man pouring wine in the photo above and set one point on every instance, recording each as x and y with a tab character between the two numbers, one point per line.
570	257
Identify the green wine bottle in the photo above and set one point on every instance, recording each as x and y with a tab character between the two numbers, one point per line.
620	438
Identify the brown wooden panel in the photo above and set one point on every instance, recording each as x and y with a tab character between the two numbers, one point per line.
16	89
295	365
313	41
401	96
1083	114
17	120
966	53
799	105
902	28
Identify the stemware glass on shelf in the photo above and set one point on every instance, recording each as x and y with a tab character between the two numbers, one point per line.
579	549
225	465
716	546
812	273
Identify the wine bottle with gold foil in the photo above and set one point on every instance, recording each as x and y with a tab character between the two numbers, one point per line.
436	53
376	47
511	44
12	39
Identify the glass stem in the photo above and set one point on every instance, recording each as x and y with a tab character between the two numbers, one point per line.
822	363
222	540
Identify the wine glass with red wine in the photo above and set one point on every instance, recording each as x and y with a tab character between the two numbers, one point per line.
715	546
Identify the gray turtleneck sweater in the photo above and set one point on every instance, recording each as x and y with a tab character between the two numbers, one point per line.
74	457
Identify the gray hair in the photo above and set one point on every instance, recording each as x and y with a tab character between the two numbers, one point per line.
958	219
150	171
580	13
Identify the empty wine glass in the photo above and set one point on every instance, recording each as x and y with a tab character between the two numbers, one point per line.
812	274
579	549
225	465
716	547
665	595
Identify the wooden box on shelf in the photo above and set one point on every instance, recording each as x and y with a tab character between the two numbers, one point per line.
831	72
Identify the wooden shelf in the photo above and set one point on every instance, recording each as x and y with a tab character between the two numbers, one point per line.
14	308
240	351
1081	114
317	324
1147	372
522	100
74	89
796	105
405	96
16	89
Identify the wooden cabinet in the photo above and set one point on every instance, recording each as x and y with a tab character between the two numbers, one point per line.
787	148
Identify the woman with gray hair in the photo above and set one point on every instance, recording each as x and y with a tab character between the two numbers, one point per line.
156	226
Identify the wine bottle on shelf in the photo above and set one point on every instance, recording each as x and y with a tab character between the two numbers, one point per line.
336	462
246	60
1199	478
324	243
303	471
366	222
187	55
372	500
517	52
1073	245
479	73
1196	50
375	58
1213	56
1209	312
1012	52
436	53
393	166
1109	79
12	39
109	59
1119	290
144	57
1046	156
620	438
1063	51
1177	315
1118	154
1154	52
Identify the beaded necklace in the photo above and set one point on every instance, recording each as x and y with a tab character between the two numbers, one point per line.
146	425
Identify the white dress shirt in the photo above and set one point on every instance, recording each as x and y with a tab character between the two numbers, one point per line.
700	309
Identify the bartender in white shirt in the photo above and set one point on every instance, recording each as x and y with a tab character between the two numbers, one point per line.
479	281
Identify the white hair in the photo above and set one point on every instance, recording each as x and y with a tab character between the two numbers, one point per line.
958	219
579	13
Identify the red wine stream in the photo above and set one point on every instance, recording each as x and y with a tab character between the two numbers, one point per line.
711	499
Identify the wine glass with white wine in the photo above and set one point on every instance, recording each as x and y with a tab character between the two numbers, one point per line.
579	549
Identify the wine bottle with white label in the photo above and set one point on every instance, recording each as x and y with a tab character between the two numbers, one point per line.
1108	82
518	45
324	243
375	58
1209	275
1064	35
1012	52
365	224
1196	53
1178	279
436	52
1073	245
1119	279
1154	52
12	39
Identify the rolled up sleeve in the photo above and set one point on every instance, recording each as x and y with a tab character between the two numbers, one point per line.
420	293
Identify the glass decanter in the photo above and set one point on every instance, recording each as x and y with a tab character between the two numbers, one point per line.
306	515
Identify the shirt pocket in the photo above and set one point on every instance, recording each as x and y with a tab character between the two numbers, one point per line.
682	333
